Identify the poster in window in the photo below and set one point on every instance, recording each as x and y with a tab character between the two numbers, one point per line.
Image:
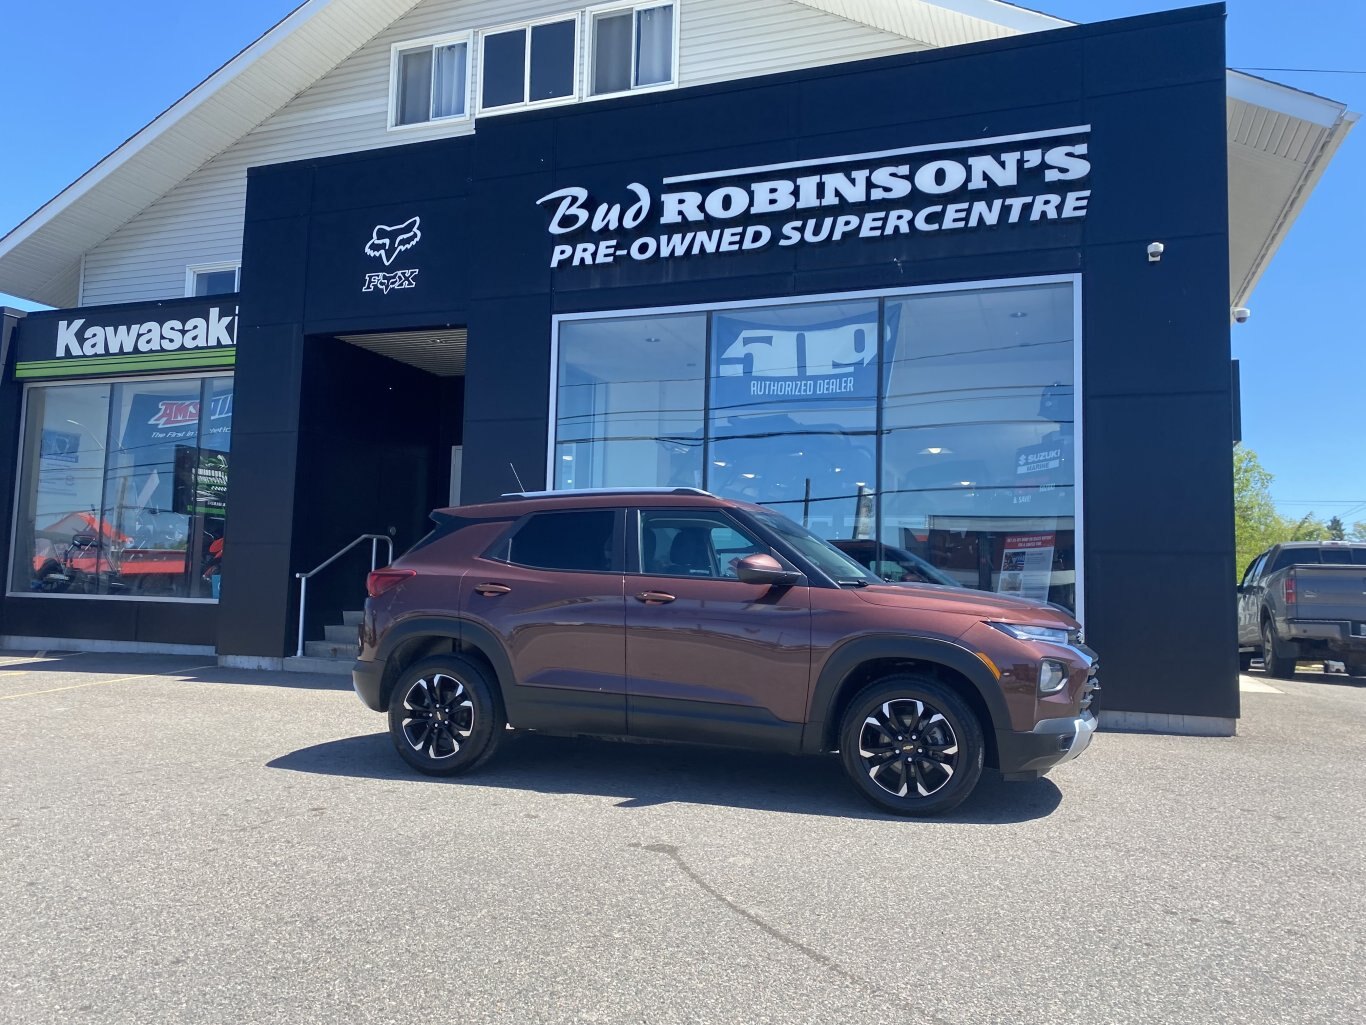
1027	565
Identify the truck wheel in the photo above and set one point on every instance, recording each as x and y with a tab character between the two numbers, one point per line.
1278	664
911	746
1244	661
1357	668
445	717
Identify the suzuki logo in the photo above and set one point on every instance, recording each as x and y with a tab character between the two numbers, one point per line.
387	241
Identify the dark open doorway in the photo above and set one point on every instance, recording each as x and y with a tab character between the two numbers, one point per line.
380	417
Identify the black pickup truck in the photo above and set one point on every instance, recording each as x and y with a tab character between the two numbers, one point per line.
1302	600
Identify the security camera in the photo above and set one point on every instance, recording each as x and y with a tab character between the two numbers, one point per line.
1241	314
1155	251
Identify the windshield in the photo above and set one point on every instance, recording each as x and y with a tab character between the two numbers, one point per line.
827	558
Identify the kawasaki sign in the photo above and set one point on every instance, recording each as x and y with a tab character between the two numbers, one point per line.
124	340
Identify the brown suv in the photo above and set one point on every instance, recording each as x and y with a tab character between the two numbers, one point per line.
677	615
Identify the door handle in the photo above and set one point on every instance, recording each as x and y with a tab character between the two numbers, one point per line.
655	597
492	590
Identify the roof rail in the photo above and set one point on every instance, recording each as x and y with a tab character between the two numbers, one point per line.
577	492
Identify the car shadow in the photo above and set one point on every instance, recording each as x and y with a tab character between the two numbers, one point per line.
644	775
1314	676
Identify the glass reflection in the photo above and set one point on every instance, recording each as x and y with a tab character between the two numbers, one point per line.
794	411
629	402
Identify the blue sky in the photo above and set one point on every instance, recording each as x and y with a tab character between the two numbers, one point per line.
1303	352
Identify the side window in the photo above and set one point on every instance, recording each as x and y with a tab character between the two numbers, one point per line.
692	544
1253	569
1359	556
581	541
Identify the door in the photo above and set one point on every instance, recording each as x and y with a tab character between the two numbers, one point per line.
1249	604
551	593
708	657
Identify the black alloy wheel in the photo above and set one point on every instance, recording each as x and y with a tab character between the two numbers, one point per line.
912	746
1276	662
445	717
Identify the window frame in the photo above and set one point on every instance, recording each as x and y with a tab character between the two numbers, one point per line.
193	270
635	7
527	103
21	465
430	42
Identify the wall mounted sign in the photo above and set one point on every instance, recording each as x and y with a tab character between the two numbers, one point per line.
953	186
127	339
386	242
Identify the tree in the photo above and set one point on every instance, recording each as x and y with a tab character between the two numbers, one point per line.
1336	531
1358	531
1257	526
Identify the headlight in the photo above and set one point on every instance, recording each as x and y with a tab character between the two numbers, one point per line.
1053	634
1052	676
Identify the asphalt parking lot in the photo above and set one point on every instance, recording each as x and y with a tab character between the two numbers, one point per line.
183	843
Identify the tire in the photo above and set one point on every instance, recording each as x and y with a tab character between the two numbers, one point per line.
445	716
1244	661
1357	668
881	735
1276	662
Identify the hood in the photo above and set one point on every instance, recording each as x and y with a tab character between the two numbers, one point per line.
965	601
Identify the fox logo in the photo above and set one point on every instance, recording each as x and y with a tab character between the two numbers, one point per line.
387	241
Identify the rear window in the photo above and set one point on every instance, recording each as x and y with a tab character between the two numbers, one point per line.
1333	556
580	541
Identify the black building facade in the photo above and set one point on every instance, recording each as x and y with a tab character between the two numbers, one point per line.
912	301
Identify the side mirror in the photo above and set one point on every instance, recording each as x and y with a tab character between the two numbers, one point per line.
765	569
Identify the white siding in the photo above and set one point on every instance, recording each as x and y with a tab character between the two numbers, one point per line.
200	220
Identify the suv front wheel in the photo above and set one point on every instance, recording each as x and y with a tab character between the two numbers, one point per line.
911	745
445	716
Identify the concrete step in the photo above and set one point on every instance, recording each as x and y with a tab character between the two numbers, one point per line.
340	634
331	649
324	666
353	618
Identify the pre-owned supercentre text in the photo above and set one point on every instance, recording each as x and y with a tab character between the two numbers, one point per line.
751	207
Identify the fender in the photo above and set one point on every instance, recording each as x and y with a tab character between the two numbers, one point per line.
462	632
850	654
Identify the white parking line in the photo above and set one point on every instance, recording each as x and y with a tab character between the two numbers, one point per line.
101	683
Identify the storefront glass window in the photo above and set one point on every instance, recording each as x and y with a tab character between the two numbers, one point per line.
794	411
931	433
630	402
122	488
977	466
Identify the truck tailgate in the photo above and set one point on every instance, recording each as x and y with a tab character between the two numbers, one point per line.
1329	592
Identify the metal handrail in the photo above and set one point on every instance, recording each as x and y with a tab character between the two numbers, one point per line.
303	578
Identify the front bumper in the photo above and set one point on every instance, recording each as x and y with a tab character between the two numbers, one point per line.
1051	742
368	678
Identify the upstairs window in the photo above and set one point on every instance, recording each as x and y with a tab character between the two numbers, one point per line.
211	279
430	81
529	64
633	48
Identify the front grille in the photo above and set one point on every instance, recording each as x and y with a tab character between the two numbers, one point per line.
1088	694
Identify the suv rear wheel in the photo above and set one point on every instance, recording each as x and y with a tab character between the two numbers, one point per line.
445	717
911	745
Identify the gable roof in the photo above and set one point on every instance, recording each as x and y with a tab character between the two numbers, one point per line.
1280	139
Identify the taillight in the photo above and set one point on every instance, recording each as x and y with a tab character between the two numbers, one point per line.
1289	585
382	580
